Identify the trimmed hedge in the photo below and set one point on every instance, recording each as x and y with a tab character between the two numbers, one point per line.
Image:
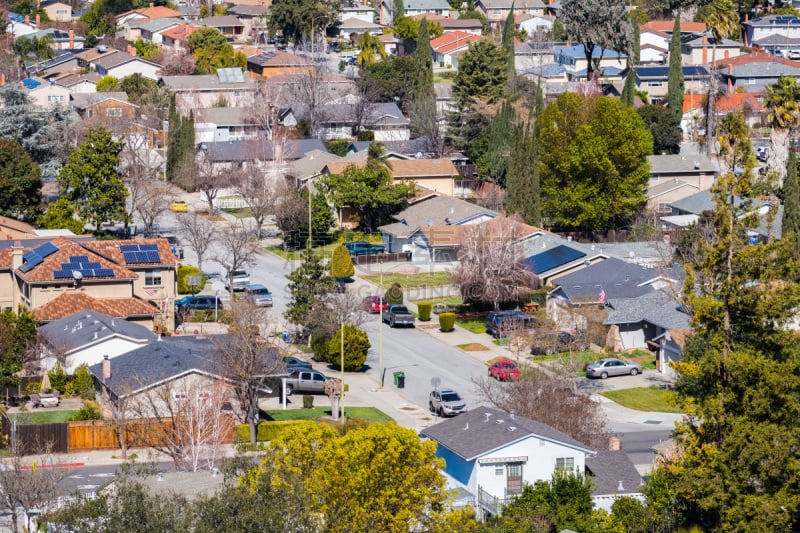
424	309
447	321
395	294
188	270
265	430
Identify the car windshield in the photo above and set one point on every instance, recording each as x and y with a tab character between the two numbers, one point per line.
451	397
239	274
259	291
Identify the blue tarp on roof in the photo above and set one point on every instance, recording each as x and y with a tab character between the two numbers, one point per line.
30	83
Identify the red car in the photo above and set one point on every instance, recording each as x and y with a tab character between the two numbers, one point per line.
504	371
373	304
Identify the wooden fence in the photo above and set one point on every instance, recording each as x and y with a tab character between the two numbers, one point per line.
34	437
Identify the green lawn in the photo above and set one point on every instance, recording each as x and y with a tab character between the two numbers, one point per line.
452	300
412	281
370	414
644	399
241	212
44	417
475	325
289	255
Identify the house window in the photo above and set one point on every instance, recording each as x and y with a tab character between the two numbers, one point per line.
498	471
749	81
655	84
55	99
565	463
90	113
152	277
178	396
114	111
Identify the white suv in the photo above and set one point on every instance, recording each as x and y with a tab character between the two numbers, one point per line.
240	279
446	402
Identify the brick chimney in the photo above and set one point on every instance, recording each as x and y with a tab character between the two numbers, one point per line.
705	50
71	39
16	255
613	444
151	4
27	19
106	368
38	20
2	80
730	78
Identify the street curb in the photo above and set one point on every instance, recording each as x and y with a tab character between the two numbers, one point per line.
61	465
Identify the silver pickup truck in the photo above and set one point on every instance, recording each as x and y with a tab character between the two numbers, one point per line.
397	315
305	380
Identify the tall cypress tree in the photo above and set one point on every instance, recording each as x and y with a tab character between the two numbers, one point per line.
523	191
508	43
676	86
790	223
629	89
423	97
173	140
399	10
499	148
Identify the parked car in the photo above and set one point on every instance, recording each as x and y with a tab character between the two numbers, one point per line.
259	293
199	303
556	342
293	363
397	315
503	371
305	380
179	206
499	323
373	304
363	248
446	402
239	278
612	367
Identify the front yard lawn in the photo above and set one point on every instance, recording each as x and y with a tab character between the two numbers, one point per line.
475	325
44	417
412	281
645	399
370	414
289	255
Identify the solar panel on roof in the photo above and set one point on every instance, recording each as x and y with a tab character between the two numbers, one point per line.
92	265
553	258
61	274
30	260
104	272
79	259
129	248
46	249
153	257
131	256
148	247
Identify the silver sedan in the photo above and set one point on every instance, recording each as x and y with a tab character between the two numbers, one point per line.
612	367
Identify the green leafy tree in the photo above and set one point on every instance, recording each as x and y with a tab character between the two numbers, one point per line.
20	181
661	123
83	382
369	191
38	48
211	50
138	88
108	84
370	46
596	23
740	372
91	180
308	284
296	19
482	74
593	162
145	49
341	263
61	214
90	410
356	346
291	217
393	79
17	340
676	87
399	11
58	378
507	42
721	17
408	28
790	224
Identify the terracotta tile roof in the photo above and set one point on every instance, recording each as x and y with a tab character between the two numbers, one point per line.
449	235
443	235
16	225
755	57
110	251
153	13
692	101
667	25
180	33
73	302
644	28
43	272
454	40
337	167
737	102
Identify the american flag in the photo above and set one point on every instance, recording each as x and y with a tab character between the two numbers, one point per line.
151	292
602	295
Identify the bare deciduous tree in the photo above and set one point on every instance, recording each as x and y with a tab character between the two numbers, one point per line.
258	193
239	248
150	202
489	270
209	179
247	359
199	233
174	62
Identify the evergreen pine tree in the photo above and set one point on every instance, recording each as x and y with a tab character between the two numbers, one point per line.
508	43
791	201
341	263
523	191
676	86
173	140
399	10
629	89
499	149
423	97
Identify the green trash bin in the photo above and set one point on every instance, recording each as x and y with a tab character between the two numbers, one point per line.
399	379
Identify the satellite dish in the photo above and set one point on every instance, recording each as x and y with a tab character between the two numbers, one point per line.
76	275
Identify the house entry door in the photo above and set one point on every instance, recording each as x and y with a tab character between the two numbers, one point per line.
514	478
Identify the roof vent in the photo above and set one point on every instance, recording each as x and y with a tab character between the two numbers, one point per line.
95	335
511	416
112	323
697	165
500	420
511	428
101	48
486	416
620	487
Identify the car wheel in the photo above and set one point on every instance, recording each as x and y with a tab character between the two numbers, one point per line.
440	412
391	323
604	375
289	390
430	406
634	371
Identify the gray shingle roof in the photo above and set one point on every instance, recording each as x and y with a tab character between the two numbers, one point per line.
433	212
681	164
205	82
777	40
261	150
426	5
615	277
79	329
161	24
658	308
609	469
763	69
482	430
225	116
84	100
223	21
658	189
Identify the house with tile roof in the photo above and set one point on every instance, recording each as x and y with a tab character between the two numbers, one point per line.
130	22
11	228
491	454
753	72
448	44
746	103
666	26
61	276
655	80
693	117
153	31
84	337
177	37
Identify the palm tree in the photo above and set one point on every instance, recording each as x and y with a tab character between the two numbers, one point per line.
370	45
783	115
38	47
722	18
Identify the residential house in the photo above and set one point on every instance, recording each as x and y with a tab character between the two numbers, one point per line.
745	103
438	215
533	54
86	336
202	91
448	44
45	94
693	118
177	37
20	26
277	63
339	121
130	22
62	276
496	11
222	124
637	323
549	256
613	476
312	164
11	229
448	23
702	50
666	26
355	10
58	11
231	27
655	81
62	40
753	72
662	193
670	350
105	109
393	45
535	24
778	34
122	64
573	59
492	454
417	148
254	18
262	153
436	175
698	170
653	46
152	31
353	28
77	83
411	8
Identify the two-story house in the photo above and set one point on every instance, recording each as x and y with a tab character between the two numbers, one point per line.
130	22
753	72
497	11
702	50
204	90
778	34
655	80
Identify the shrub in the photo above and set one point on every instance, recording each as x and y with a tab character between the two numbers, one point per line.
188	270
365	135
265	431
89	411
338	146
319	346
424	309
356	345
395	294
447	321
83	382
58	378
341	263
308	402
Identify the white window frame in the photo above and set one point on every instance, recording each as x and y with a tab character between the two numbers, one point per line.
114	111
565	463
153	278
